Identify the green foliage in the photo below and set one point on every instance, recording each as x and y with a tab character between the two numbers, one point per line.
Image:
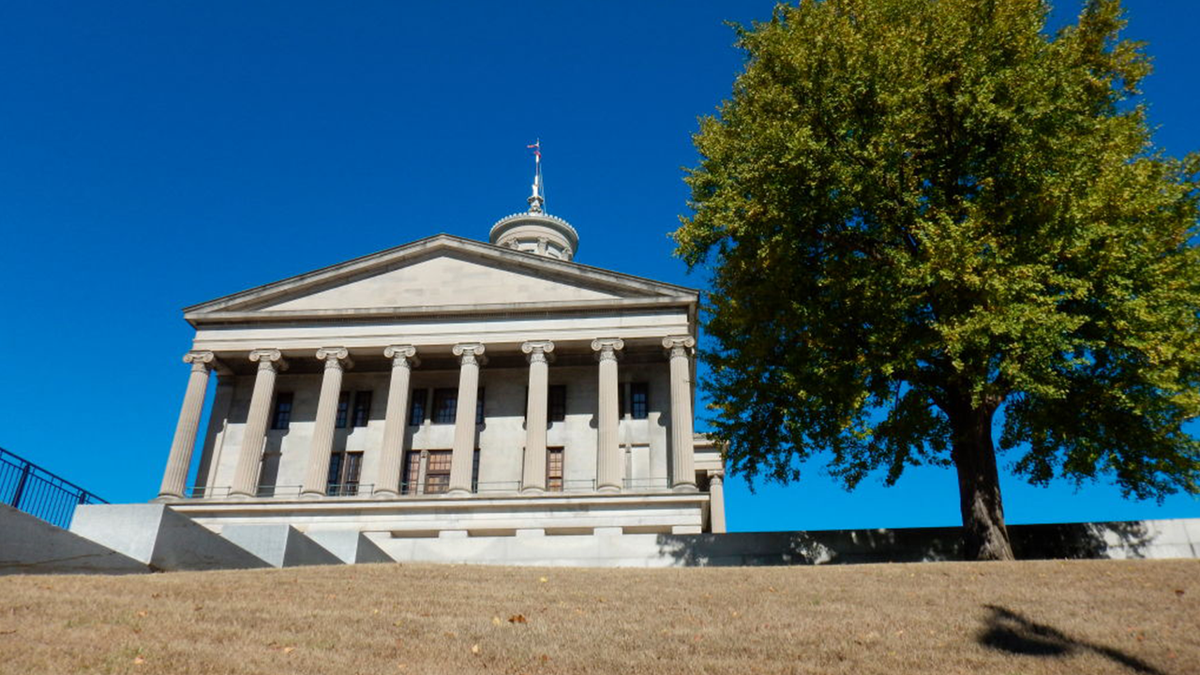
912	208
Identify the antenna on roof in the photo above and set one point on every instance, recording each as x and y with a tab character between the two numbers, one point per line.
537	199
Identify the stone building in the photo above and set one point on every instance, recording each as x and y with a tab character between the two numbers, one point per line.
450	389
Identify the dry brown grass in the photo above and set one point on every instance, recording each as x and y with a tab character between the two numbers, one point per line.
1025	617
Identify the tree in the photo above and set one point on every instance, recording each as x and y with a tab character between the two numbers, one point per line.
922	218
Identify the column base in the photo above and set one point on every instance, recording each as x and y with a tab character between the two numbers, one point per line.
385	494
533	490
166	499
309	496
608	489
684	487
458	492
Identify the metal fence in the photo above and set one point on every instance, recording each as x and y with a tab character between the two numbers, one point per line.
30	488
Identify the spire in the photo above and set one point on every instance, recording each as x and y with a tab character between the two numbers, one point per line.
536	231
537	199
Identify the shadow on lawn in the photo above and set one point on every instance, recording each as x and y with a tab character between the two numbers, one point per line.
1007	631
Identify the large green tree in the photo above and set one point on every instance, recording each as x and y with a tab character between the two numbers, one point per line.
932	222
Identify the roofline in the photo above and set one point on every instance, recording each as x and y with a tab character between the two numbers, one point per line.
437	311
266	291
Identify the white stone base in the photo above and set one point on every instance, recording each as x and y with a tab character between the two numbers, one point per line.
156	535
30	545
280	545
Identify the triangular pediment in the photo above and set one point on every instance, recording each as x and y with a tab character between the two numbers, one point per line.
440	273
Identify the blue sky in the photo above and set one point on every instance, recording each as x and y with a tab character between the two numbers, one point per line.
155	155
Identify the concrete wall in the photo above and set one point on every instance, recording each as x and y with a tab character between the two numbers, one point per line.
1116	540
30	545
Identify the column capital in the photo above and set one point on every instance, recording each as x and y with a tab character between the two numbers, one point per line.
607	347
469	352
201	361
404	356
678	346
269	359
537	350
334	356
716	476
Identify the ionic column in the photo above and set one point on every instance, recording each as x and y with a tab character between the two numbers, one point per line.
463	457
608	447
716	502
535	416
316	480
175	477
245	478
683	471
391	459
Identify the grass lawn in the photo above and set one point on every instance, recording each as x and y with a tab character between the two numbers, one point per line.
1025	617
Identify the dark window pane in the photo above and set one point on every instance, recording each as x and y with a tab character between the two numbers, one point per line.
479	407
343	409
362	408
557	406
639	400
416	412
621	409
335	470
475	471
445	404
283	410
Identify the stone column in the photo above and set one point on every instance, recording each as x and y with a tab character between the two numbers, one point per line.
391	459
463	458
245	477
716	502
175	477
336	359
683	471
534	481
608	447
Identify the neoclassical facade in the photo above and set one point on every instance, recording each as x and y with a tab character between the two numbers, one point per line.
450	388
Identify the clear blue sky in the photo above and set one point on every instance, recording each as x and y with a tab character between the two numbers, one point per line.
154	155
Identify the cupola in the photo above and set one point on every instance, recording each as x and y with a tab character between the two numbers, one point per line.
536	231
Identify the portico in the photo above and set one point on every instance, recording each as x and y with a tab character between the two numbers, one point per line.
448	386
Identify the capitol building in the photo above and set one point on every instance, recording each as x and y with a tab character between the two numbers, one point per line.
451	399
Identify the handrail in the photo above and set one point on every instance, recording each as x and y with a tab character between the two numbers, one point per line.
30	488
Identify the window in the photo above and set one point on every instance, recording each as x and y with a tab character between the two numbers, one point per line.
445	405
639	400
344	468
556	410
554	469
362	408
437	473
282	416
412	473
343	409
416	411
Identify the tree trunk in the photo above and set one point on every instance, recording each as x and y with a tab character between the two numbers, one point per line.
984	535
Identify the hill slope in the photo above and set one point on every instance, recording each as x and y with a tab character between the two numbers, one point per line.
1024	617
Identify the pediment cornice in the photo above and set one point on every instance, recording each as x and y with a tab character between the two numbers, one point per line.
255	304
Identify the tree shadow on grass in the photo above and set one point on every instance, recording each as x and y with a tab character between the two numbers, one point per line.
1008	631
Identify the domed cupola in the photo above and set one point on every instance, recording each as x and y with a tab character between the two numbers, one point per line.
536	231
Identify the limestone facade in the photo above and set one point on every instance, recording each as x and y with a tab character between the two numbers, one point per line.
448	388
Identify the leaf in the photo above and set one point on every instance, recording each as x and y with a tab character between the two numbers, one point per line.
475	649
517	618
496	621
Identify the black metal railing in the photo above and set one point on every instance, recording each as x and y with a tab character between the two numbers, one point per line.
34	490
